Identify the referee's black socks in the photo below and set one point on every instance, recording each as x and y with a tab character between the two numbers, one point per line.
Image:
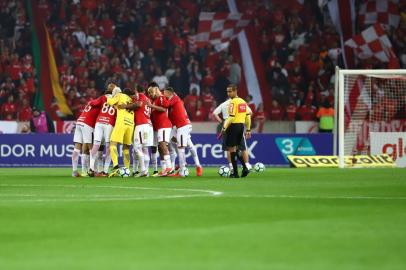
234	162
241	159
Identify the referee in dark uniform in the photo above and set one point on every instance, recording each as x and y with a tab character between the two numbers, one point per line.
233	128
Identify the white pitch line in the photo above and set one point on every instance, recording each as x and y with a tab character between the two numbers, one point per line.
211	192
97	197
311	197
127	197
100	199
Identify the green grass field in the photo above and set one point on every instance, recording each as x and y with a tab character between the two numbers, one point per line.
280	219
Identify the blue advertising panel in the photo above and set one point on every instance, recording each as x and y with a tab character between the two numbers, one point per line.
56	149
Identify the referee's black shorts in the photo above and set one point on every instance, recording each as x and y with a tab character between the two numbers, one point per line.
234	135
242	146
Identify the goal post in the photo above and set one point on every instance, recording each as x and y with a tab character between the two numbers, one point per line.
367	101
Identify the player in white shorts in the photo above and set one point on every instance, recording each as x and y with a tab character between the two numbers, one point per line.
83	138
190	145
102	131
162	130
143	133
180	119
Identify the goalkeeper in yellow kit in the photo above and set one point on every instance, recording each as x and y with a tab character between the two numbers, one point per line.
124	128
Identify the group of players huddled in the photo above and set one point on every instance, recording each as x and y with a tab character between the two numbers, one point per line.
155	119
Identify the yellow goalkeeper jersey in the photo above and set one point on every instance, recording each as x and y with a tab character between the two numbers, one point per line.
124	116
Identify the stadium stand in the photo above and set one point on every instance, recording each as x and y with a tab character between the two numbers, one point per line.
134	42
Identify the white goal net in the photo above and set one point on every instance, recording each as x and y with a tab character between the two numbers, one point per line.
368	101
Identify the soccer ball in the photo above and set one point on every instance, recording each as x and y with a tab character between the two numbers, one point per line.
184	172
224	171
124	172
259	167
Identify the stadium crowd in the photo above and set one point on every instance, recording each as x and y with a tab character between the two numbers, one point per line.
135	42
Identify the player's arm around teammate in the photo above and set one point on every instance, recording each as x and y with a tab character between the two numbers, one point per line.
123	128
104	126
143	132
162	126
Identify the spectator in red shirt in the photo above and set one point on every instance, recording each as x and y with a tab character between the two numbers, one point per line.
207	98
25	89
91	90
307	112
106	27
312	67
9	109
27	67
260	117
80	69
201	112
212	58
29	80
208	80
179	41
78	54
291	111
158	40
88	4
14	70
310	94
25	112
191	102
296	77
44	9
277	17
276	111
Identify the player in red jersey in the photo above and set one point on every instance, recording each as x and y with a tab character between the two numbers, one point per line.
162	128
104	125
83	137
180	119
143	133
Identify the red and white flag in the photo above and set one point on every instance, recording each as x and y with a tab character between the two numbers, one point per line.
343	16
372	42
219	28
385	12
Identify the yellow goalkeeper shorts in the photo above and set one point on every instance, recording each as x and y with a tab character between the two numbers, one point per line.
122	134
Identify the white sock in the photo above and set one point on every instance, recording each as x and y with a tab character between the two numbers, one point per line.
87	162
193	151
75	159
100	161
93	156
230	165
146	158
140	156
248	165
167	160
135	160
83	160
173	155
154	161
163	165
182	158
107	159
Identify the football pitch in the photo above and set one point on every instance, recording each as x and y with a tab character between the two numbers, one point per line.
278	219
